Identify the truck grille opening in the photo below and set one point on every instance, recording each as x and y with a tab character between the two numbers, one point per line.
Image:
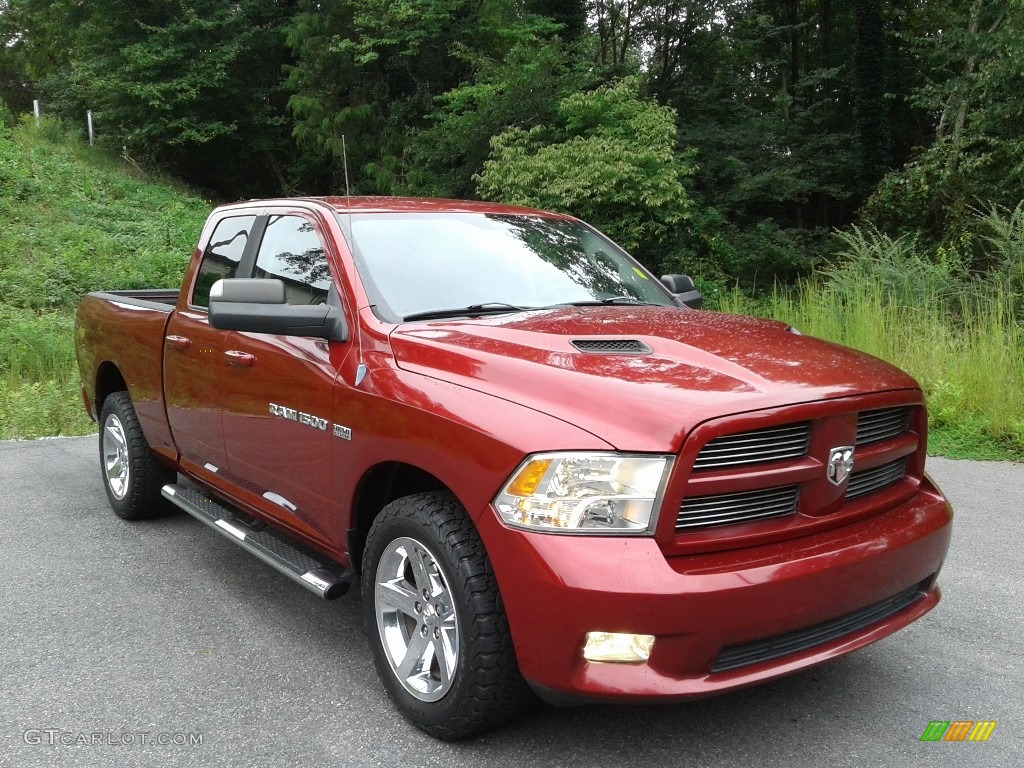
863	481
782	472
611	346
755	447
875	426
728	508
803	639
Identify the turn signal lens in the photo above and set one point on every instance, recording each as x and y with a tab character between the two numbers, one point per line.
528	477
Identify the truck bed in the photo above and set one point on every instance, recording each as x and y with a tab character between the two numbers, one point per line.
120	337
161	299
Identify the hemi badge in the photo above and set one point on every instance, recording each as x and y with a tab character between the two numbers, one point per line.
343	432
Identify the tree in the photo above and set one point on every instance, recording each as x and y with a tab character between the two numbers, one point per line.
610	158
570	15
369	70
14	79
194	85
870	112
973	70
523	89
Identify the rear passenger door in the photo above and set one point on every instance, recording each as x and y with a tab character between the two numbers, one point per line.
194	363
277	414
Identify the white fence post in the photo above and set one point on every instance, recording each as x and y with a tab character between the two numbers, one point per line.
35	109
88	119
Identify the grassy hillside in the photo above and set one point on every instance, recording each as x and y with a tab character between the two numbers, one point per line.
74	221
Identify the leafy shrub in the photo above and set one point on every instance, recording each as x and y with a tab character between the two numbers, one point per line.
899	267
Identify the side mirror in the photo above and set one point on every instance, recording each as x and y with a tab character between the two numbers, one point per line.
683	288
251	291
257	305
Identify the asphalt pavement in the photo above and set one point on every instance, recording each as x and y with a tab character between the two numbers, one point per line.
161	643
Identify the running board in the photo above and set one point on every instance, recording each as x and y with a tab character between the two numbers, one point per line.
312	574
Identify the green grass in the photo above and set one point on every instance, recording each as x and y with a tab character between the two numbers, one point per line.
966	352
74	220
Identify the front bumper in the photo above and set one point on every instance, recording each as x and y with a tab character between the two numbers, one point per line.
556	588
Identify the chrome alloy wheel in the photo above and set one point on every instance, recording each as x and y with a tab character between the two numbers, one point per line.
416	618
115	456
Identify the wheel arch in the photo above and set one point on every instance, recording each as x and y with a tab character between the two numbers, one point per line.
380	485
108	381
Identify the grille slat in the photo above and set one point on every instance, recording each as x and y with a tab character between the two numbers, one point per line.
752	449
727	508
866	481
755	447
881	424
803	639
736	501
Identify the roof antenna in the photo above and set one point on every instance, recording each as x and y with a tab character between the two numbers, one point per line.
361	368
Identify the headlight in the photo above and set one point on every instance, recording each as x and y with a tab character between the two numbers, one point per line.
584	493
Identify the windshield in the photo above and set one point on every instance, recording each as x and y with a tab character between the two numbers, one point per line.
416	263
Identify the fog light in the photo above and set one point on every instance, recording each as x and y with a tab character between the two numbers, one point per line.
618	646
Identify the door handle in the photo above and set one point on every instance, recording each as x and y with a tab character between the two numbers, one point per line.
178	342
237	357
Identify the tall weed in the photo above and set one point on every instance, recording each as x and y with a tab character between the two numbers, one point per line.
960	336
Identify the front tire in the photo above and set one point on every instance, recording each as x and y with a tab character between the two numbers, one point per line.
132	476
435	619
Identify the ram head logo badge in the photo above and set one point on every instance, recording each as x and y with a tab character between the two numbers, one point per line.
840	462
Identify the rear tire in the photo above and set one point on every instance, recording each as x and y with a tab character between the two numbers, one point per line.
132	476
435	620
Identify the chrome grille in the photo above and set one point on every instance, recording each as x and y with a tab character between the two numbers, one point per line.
863	481
728	508
612	346
874	426
756	447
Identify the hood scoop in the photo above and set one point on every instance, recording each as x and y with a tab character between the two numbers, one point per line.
611	346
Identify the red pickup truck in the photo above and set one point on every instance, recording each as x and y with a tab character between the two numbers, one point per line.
546	471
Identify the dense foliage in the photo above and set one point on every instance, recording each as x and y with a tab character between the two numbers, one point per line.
791	118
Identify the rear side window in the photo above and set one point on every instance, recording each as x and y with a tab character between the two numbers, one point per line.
292	252
222	256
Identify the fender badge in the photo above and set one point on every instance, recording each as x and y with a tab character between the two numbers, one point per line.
840	463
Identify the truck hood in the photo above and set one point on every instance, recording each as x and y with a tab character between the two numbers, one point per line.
699	365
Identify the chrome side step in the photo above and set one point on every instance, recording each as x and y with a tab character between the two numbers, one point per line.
312	574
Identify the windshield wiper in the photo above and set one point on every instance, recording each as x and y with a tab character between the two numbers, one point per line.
490	308
609	300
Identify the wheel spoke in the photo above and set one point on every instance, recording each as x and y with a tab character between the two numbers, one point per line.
444	652
394	595
419	569
415	655
114	468
115	433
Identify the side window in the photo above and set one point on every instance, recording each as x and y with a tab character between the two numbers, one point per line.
292	252
222	256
